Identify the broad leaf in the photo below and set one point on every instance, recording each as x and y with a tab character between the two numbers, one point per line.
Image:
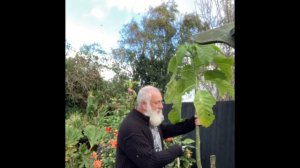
180	53
225	65
214	74
188	141
171	91
172	66
175	114
197	62
223	86
72	136
93	134
203	103
188	72
205	53
183	86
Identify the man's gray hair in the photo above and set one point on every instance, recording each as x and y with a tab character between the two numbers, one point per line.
145	94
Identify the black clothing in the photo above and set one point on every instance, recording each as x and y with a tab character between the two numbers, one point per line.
135	142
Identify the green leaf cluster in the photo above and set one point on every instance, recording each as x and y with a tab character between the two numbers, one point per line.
191	65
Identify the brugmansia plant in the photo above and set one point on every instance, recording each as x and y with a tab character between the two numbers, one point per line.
191	66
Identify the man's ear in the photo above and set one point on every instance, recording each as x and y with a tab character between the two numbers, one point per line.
144	106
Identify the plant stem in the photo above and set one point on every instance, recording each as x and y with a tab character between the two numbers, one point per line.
198	154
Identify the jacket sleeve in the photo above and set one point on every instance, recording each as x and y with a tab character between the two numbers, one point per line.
138	149
171	130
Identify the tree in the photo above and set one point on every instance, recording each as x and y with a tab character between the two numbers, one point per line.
82	75
149	44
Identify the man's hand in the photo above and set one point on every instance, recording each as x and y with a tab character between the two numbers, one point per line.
197	121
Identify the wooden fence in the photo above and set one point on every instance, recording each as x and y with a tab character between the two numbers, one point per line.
218	139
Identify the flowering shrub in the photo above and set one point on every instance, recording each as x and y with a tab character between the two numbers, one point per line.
100	133
107	148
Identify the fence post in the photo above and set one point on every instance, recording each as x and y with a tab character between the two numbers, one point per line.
212	161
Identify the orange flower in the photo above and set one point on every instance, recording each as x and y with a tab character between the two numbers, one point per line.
170	139
97	163
108	129
113	143
94	155
116	133
189	153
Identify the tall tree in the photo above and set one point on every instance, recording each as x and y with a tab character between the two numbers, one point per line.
149	44
215	13
190	24
82	74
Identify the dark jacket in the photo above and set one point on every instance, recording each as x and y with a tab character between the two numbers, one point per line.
135	143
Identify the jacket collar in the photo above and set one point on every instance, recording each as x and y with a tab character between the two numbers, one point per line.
141	116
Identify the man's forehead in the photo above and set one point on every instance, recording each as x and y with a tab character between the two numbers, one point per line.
156	96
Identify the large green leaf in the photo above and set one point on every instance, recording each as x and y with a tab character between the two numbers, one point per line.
197	62
171	91
214	74
184	86
177	88
72	136
223	34
203	103
175	114
225	65
93	134
188	72
205	53
172	66
223	86
180	53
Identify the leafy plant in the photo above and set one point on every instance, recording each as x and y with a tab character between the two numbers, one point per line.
186	160
194	67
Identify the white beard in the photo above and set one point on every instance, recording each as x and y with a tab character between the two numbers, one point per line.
156	117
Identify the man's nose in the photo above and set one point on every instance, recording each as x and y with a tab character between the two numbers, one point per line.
160	106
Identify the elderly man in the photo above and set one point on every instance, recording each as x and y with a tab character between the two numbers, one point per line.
141	133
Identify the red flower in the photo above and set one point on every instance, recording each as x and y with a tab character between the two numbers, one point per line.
94	155
113	143
116	133
97	163
108	129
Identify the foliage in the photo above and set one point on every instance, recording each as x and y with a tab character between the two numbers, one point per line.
193	64
148	45
91	137
86	91
82	75
185	161
189	25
